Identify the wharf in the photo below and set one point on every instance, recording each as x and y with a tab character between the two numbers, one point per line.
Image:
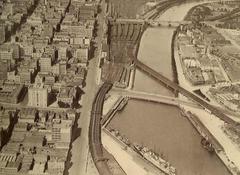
129	160
120	103
218	148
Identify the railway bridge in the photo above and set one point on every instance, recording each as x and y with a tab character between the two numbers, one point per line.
175	87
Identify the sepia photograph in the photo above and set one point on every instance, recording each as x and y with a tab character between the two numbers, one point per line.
119	87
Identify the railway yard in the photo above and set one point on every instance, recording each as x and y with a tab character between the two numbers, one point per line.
123	42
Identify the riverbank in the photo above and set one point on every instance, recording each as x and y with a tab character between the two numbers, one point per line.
129	160
231	153
185	84
174	67
162	128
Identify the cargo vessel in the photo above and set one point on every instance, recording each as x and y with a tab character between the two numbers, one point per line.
155	159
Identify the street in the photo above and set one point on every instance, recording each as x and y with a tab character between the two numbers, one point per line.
81	158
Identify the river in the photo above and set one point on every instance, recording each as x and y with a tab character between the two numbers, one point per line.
159	126
155	51
178	13
163	129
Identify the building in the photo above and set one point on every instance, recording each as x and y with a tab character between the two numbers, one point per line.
45	64
82	54
25	76
12	93
27	115
2	33
87	12
3	69
62	131
7	54
38	96
66	96
62	53
62	68
5	120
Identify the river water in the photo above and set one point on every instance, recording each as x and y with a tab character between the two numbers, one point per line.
177	13
163	129
159	126
155	51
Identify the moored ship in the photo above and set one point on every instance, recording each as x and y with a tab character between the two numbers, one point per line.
207	145
155	159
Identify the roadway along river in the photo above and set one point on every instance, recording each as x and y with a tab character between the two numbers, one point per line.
158	126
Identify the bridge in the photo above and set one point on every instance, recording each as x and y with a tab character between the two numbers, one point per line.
157	98
156	23
175	87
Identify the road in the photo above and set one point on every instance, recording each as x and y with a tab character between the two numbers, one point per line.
152	97
80	147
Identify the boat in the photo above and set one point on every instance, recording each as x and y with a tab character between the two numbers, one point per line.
207	145
147	154
155	159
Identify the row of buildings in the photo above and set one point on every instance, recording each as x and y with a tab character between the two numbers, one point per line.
43	65
39	141
228	96
13	12
51	50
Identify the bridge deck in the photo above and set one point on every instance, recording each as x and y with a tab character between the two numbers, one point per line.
152	97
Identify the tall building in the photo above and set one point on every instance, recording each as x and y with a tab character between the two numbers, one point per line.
2	33
7	54
25	76
62	67
45	64
62	53
3	69
38	96
16	51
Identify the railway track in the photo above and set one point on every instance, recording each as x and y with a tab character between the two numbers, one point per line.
176	87
95	143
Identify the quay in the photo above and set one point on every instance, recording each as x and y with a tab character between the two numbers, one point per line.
130	161
120	103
